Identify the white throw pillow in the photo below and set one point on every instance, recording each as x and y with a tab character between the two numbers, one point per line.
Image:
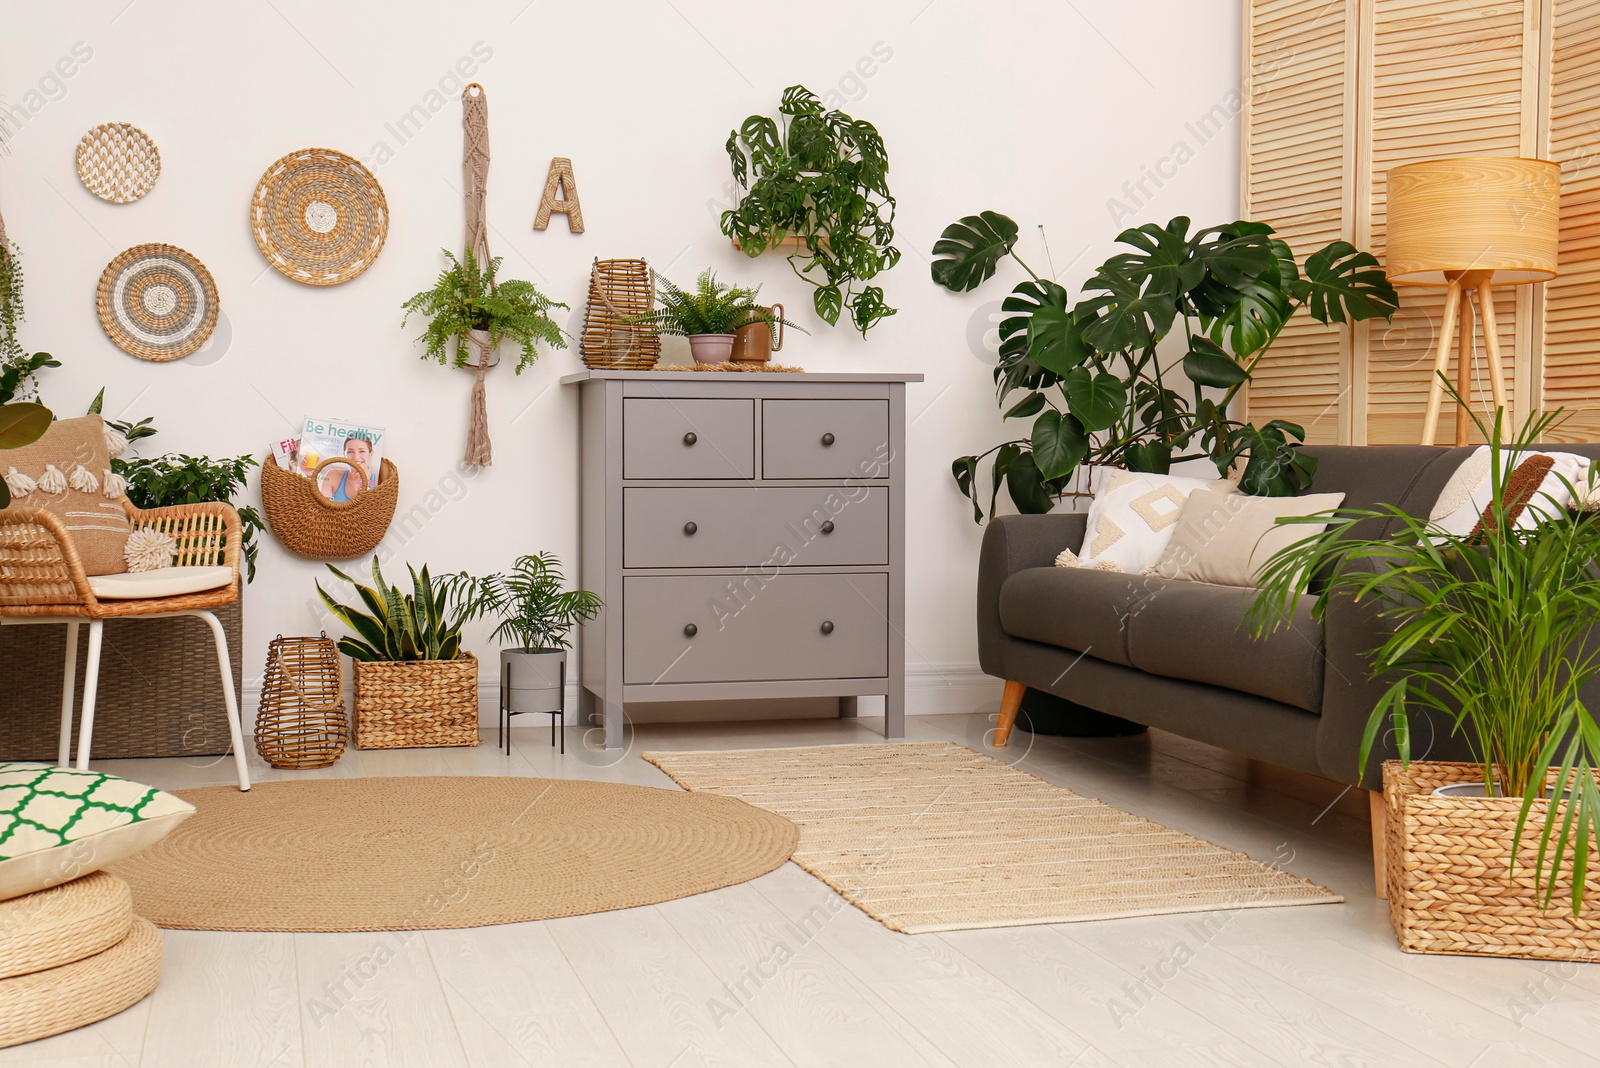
1465	497
59	823
1227	538
1131	518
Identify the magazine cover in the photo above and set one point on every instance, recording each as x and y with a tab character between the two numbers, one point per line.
361	445
287	453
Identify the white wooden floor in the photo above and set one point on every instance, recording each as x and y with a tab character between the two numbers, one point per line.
702	981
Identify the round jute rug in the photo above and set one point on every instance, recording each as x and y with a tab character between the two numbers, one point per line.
398	854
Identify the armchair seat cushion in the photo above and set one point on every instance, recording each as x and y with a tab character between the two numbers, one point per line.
1195	631
163	582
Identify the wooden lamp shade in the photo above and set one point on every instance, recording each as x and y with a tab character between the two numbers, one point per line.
1470	223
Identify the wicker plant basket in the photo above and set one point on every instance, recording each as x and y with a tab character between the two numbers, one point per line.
417	704
619	289
1447	861
310	525
301	722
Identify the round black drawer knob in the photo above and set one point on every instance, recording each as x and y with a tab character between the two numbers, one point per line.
827	626
827	439
689	528
690	438
827	526
690	630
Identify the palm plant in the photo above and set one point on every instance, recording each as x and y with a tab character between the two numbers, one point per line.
533	609
1493	630
712	308
424	624
468	297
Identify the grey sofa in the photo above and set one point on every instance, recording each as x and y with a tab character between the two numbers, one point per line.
1173	654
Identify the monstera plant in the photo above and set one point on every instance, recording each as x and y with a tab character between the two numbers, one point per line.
820	178
1091	378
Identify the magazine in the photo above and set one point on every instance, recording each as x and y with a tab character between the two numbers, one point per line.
287	453
361	445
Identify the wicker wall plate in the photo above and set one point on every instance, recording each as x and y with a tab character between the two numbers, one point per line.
319	217
118	162
417	704
312	526
157	302
619	289
1447	868
301	722
83	992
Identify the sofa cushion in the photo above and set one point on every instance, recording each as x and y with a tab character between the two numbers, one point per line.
1132	517
1196	631
1075	608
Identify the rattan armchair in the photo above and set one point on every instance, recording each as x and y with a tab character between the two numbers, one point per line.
42	581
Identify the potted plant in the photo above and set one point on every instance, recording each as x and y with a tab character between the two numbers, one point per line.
415	685
817	181
537	615
708	316
1494	632
469	305
22	422
1092	382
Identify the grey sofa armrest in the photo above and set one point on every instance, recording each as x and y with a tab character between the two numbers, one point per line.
1014	543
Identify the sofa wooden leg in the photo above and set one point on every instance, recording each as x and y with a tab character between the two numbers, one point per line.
1010	701
1380	820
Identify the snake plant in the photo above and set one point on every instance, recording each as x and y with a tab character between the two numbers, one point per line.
422	625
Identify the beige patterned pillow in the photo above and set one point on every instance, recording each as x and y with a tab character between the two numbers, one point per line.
68	472
1132	517
1227	538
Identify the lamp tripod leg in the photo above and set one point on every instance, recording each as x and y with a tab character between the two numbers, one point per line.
1441	361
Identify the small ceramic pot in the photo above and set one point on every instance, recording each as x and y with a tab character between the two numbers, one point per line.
534	679
711	348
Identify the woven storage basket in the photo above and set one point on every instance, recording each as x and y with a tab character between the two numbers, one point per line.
83	992
164	701
1447	860
417	704
301	722
310	525
619	289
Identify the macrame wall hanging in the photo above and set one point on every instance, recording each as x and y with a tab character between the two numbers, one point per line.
475	174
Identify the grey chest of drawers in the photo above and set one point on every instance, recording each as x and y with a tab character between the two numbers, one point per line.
747	533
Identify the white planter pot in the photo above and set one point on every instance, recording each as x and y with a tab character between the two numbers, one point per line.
532	679
711	348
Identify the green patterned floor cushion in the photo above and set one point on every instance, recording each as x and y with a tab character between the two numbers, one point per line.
57	823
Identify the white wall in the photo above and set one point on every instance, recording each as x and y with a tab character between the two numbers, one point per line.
1047	111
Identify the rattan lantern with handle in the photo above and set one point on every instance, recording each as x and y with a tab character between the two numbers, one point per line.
1469	224
618	291
302	722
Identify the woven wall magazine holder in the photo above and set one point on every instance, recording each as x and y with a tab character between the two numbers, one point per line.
310	525
619	289
302	721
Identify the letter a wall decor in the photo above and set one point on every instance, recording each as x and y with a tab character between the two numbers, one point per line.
560	179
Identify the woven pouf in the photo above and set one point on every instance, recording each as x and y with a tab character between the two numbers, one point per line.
64	923
86	991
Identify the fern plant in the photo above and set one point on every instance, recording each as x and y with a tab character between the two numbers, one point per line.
468	297
533	609
424	624
711	308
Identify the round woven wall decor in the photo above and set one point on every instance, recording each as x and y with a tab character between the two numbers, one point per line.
319	217
157	302
118	162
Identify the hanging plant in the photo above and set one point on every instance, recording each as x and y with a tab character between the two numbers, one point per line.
819	179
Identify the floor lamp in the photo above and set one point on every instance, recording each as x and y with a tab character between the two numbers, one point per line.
1470	224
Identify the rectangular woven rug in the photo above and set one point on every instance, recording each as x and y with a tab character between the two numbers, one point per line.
935	837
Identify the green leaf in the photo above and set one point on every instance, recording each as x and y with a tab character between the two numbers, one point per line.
965	471
1059	445
966	254
1119	315
1032	404
829	303
1054	340
1096	400
1207	364
1026	487
1341	282
23	423
1152	457
1165	262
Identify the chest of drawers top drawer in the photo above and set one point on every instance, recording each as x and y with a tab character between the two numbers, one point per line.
825	439
672	437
